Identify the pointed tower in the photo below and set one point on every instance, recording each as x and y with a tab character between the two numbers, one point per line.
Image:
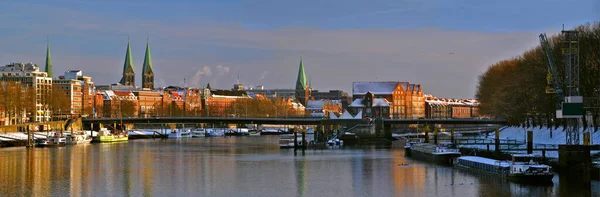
302	93
128	78
48	68
148	70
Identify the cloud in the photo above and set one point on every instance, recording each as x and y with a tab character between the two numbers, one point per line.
333	58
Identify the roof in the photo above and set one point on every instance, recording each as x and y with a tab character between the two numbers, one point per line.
48	68
315	104
377	102
485	160
346	115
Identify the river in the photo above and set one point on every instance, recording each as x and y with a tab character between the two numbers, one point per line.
245	166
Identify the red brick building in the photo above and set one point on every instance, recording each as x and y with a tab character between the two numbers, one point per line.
406	100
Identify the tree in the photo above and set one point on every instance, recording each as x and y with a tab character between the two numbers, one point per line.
127	108
59	102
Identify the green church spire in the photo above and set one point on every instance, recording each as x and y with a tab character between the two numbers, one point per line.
128	69
148	70
148	60
48	68
301	81
128	59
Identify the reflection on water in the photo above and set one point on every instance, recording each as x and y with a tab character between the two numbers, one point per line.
245	166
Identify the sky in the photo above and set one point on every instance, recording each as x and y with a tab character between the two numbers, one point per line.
442	45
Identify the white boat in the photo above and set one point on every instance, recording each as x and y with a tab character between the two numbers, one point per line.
254	132
199	132
78	138
180	134
287	141
56	139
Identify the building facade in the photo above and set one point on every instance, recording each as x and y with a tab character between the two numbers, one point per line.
407	101
30	75
370	106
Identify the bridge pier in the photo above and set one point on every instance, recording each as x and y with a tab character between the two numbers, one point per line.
497	141
529	142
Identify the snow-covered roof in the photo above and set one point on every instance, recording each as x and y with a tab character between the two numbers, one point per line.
377	88
315	104
346	115
377	102
465	102
332	115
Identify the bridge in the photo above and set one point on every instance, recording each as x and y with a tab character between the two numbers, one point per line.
282	121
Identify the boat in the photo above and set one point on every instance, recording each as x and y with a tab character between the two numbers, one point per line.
410	142
521	168
199	132
214	133
443	153
78	138
287	141
176	134
104	135
232	132
268	131
56	139
254	132
335	142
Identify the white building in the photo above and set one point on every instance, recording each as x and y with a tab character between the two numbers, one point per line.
31	75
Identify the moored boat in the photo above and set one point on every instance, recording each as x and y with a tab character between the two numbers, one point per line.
214	133
104	135
254	132
522	168
199	132
410	142
56	139
78	138
443	153
180	134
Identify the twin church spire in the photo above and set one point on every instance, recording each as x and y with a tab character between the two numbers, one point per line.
128	78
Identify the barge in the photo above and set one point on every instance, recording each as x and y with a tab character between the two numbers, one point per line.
443	153
522	168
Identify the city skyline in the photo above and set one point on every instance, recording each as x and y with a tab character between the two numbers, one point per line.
355	42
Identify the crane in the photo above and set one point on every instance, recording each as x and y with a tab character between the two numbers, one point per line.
569	104
554	85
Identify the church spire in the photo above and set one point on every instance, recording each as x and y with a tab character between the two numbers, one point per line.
302	92
48	68
148	70
301	81
128	69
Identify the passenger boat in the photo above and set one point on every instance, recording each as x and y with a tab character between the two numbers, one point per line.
104	135
78	138
175	134
269	131
199	132
521	168
287	141
56	139
443	153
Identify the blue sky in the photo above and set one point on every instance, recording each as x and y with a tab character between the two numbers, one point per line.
342	41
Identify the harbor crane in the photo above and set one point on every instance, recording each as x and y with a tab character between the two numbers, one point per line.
569	104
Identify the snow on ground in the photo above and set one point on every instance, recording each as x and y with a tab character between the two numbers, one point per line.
540	136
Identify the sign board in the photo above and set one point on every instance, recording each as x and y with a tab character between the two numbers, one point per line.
572	110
